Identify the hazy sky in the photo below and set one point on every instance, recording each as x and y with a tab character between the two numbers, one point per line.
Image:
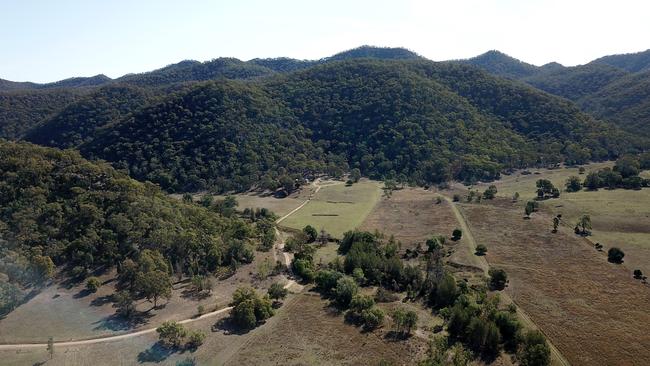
48	40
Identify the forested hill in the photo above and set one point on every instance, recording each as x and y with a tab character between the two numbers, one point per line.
386	111
613	88
498	63
58	209
632	62
412	120
79	121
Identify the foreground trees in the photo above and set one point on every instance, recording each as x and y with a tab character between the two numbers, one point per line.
249	308
174	335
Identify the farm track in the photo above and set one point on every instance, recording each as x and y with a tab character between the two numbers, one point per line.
481	262
279	247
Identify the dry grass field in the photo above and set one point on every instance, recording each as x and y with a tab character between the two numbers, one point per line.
305	331
592	310
620	217
414	215
337	208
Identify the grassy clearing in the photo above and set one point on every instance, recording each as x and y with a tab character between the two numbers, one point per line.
326	254
337	208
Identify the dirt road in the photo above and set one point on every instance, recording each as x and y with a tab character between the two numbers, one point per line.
481	262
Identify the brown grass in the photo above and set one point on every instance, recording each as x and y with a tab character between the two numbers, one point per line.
592	310
412	215
309	333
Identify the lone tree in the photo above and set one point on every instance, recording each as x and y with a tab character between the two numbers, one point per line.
248	308
311	233
405	321
638	274
573	184
498	278
584	225
50	347
490	193
277	291
529	209
93	284
355	175
546	189
615	255
556	222
456	234
515	197
171	334
154	285
481	249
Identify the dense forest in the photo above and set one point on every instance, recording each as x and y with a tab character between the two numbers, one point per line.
386	111
60	210
613	88
21	110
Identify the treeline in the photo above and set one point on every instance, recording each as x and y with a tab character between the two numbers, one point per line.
61	212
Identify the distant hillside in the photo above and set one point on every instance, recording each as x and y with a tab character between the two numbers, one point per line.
625	102
632	62
382	53
500	64
79	120
613	88
76	82
575	82
412	120
227	68
21	110
220	135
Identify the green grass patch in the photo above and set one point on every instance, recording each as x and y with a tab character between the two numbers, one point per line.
337	208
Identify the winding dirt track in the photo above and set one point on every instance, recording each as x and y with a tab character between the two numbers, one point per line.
279	247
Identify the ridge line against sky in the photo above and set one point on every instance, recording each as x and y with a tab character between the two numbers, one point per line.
46	41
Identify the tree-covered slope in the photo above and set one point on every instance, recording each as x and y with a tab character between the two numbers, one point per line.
416	121
21	110
632	62
625	102
221	68
575	82
498	63
78	121
389	121
220	135
59	208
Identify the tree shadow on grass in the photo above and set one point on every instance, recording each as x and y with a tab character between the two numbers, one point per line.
102	300
81	294
395	336
116	322
227	326
156	353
